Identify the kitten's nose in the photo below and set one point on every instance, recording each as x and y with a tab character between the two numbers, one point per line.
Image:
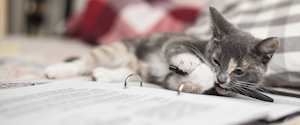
221	79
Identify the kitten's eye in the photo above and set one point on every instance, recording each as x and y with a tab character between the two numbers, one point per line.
217	62
238	72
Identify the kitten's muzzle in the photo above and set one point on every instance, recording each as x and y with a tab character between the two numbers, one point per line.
221	79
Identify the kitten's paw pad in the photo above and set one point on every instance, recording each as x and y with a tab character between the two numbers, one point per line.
101	75
61	70
186	62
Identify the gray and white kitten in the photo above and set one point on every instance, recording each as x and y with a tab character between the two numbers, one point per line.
237	59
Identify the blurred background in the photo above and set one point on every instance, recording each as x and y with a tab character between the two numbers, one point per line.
96	21
37	33
36	17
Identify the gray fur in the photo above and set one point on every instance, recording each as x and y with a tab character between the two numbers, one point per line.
150	56
164	46
240	46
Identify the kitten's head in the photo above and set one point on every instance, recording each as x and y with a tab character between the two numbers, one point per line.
237	57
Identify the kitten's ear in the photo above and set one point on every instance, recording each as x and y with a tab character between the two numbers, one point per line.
220	24
265	49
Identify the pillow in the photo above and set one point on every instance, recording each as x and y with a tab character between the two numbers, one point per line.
106	21
262	19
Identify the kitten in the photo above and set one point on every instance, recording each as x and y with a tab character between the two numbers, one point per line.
237	59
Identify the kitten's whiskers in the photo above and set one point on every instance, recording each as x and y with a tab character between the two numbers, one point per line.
252	86
200	55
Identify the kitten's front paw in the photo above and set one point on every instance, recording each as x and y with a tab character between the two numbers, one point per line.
61	70
198	81
186	62
101	74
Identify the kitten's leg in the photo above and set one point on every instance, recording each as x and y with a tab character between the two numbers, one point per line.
67	69
102	74
110	56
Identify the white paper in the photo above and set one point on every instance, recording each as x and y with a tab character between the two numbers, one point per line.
281	107
89	103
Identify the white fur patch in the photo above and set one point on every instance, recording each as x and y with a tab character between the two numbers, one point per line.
185	62
61	70
102	74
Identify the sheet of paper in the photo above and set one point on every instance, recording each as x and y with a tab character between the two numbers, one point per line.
279	111
281	107
82	102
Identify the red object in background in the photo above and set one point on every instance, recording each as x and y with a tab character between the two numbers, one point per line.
106	21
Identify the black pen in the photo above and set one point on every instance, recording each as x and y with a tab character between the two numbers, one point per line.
250	93
246	91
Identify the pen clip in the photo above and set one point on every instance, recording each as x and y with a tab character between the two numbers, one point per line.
177	70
